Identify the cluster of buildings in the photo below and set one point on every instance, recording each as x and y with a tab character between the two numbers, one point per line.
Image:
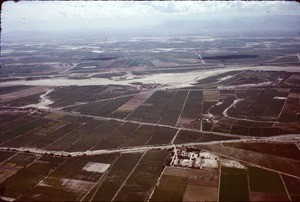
194	158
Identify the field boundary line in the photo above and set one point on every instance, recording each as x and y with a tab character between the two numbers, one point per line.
166	108
280	112
44	177
172	141
1	163
120	146
252	164
61	137
34	161
116	194
248	183
99	182
285	188
9	140
240	119
183	107
219	183
157	183
109	134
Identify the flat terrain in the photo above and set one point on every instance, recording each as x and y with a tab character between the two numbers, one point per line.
152	124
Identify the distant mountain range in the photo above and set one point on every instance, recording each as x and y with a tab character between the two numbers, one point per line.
243	25
265	25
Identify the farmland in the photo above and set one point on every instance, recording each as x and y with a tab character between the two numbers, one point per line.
151	124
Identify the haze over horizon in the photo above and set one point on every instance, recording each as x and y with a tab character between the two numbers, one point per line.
150	18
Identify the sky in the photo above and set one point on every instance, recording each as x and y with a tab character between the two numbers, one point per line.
117	15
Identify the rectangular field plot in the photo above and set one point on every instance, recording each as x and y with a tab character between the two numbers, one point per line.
116	176
185	136
17	127
286	150
111	106
138	114
274	108
257	108
209	137
12	163
293	187
264	160
29	176
73	168
239	130
162	107
162	136
91	139
140	137
96	167
183	184
69	181
6	117
117	137
170	188
134	102
28	135
290	110
193	105
211	95
266	185
53	136
159	106
233	185
172	112
90	108
66	141
143	179
65	96
5	155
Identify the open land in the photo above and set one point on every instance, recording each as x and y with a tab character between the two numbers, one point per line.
160	124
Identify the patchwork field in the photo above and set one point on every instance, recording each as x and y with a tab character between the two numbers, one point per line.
122	143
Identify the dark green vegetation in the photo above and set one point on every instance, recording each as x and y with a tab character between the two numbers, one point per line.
293	187
9	89
185	136
268	184
265	181
117	176
193	105
31	99
29	176
233	186
290	151
65	96
170	188
143	179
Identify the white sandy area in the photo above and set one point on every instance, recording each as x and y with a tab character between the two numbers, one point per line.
45	101
246	85
225	78
96	167
280	98
88	67
232	164
7	198
285	138
172	80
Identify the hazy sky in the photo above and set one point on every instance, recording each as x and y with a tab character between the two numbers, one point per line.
71	15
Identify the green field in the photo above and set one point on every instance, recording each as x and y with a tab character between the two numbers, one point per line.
170	188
